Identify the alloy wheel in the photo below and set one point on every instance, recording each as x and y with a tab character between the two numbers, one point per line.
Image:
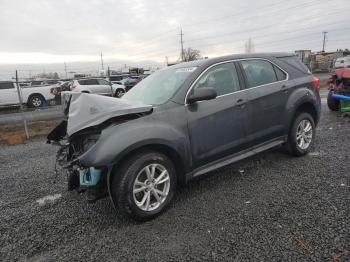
151	187
304	134
36	101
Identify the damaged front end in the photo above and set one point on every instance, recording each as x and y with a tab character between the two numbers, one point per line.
86	117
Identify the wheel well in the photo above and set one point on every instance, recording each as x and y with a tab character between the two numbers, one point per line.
307	108
168	151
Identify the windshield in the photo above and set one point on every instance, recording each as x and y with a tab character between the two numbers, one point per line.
160	86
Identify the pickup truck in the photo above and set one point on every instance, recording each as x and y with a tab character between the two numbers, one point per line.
32	96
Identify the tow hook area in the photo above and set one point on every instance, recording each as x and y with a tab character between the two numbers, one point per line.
89	177
93	181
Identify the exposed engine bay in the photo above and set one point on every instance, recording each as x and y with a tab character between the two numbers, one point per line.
86	116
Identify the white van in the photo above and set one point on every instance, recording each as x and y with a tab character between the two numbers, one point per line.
342	62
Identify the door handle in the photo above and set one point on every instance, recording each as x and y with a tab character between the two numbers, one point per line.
284	89
240	103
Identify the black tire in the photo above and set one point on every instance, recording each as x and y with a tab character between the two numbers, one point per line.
36	100
333	105
292	145
119	93
123	180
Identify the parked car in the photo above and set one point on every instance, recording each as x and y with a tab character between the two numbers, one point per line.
182	122
342	62
33	97
97	86
56	90
118	77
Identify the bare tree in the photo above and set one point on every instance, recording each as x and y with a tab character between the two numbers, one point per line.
191	54
249	46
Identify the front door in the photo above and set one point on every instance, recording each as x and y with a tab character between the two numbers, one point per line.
217	127
8	94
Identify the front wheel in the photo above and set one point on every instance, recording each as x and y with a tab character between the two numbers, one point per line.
301	135
144	186
332	103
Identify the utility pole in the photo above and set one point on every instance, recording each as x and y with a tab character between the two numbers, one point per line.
20	100
166	61
324	40
65	69
182	45
110	83
102	61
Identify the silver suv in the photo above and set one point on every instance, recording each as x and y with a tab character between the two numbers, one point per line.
97	86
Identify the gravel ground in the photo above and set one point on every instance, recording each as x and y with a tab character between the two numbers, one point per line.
271	207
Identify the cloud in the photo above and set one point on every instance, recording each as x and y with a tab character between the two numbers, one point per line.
135	30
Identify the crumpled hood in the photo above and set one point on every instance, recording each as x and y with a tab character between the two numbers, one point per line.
86	110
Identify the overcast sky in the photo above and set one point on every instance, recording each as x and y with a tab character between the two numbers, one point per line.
54	31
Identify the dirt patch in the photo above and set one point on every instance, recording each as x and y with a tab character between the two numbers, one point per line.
323	83
35	129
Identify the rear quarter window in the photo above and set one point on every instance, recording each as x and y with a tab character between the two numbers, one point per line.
280	74
295	63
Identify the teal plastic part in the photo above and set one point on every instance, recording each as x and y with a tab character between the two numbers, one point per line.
90	176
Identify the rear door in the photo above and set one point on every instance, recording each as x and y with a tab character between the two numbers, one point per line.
104	87
93	86
268	89
217	127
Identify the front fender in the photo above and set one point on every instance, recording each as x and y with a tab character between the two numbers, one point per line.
117	141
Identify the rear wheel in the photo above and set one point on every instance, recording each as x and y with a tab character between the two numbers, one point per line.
332	104
301	135
144	186
36	100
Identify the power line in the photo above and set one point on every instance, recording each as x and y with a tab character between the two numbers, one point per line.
152	54
266	27
223	18
267	7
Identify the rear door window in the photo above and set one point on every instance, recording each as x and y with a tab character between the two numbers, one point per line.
92	82
102	82
88	82
259	72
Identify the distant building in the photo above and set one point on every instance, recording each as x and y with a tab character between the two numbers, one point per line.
324	61
320	61
304	55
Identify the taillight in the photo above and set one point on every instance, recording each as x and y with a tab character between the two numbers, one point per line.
72	87
316	84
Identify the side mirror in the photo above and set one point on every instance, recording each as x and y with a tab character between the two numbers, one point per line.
201	94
